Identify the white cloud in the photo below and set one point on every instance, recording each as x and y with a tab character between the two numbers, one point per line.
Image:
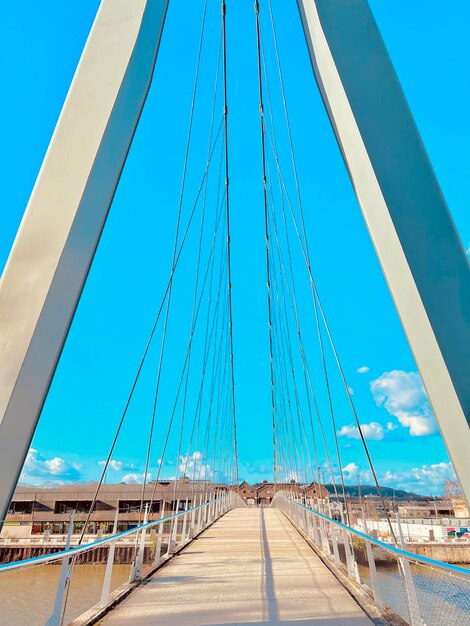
374	431
352	473
38	468
425	479
193	466
351	470
115	465
402	395
134	478
363	369
351	391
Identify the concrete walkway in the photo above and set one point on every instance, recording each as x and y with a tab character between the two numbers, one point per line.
250	567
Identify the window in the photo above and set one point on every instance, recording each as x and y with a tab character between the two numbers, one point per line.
133	506
129	506
72	506
59	528
20	507
181	505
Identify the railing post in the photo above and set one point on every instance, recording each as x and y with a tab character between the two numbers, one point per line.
304	519
202	512
410	589
214	506
173	531
309	524
324	538
136	567
356	568
192	519
174	524
349	558
158	549
410	593
210	511
374	579
184	539
58	611
207	511
109	566
334	539
316	535
205	515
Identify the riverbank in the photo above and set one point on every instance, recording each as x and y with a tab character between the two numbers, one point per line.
449	552
123	553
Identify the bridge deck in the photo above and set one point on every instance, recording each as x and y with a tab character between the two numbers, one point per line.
250	567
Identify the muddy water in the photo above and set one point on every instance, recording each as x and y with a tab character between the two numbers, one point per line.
443	599
27	596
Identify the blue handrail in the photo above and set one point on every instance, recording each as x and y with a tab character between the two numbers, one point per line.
56	556
401	553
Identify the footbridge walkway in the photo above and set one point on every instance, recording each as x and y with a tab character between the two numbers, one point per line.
252	566
223	563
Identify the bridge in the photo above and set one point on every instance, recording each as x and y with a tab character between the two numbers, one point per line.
251	566
224	563
204	557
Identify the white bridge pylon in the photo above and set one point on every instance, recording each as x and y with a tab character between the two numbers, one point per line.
409	222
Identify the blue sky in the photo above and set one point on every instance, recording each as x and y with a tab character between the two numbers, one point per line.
40	45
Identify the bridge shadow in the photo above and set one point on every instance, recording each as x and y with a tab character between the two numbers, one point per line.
271	602
311	621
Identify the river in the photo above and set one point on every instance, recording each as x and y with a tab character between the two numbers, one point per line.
443	598
27	596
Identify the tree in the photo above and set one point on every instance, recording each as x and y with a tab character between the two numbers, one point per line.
452	489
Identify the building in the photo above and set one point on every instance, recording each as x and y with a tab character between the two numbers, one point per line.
261	494
47	510
433	508
248	493
460	508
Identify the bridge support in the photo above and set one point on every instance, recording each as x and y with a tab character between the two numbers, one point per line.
54	247
418	247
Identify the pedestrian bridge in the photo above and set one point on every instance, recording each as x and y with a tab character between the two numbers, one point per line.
223	563
252	566
209	559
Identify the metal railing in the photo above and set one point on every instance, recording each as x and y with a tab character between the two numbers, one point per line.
77	584
419	590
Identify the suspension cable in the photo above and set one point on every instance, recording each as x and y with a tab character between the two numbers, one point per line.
150	337
265	206
229	260
304	246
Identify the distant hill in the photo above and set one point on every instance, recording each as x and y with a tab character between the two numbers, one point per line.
371	490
